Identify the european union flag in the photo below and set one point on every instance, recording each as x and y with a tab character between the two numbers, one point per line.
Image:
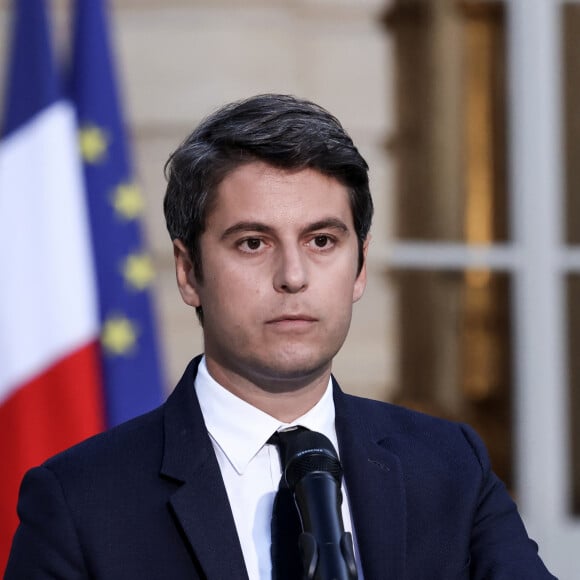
131	365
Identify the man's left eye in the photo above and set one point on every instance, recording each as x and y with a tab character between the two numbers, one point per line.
253	243
321	241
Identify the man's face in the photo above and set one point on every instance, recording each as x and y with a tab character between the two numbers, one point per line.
279	259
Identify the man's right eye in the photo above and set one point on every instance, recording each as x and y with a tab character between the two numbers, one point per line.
250	244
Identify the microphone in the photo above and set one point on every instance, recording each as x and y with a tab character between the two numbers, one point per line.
313	473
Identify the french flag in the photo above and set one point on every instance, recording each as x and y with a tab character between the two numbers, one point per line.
77	342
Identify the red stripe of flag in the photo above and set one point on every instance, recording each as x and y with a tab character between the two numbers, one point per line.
35	423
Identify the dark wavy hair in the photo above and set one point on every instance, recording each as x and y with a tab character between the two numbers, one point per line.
281	130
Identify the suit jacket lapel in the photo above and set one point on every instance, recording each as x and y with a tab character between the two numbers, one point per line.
200	504
376	492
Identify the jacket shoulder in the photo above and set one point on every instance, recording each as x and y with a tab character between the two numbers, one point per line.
124	447
406	431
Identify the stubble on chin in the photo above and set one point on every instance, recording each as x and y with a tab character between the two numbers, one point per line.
290	371
277	373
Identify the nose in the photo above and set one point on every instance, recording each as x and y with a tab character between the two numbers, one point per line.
291	274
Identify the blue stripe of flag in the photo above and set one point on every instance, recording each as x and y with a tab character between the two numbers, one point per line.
133	378
32	80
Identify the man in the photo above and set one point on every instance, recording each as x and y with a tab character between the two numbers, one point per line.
269	210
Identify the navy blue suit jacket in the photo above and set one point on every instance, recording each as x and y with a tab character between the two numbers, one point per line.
146	501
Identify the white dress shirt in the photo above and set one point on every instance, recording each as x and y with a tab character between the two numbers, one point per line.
251	468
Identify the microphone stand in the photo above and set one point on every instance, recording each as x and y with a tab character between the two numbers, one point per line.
314	474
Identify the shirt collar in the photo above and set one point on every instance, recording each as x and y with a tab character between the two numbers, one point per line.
241	430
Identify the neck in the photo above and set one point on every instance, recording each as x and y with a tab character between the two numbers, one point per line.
285	398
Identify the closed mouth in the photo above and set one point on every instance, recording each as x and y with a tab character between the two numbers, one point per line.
292	318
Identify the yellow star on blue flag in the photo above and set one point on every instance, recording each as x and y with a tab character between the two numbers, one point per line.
93	144
119	335
138	271
128	201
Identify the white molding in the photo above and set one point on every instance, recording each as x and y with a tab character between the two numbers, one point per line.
420	255
446	256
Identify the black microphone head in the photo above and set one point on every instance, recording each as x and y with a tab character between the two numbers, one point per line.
311	452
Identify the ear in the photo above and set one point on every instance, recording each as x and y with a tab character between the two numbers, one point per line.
361	280
186	281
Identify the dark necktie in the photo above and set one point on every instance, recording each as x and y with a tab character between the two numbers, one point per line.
286	527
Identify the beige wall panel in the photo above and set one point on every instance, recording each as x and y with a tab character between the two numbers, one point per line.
150	154
179	65
345	70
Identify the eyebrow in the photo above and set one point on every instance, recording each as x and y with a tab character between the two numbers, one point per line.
326	224
248	226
